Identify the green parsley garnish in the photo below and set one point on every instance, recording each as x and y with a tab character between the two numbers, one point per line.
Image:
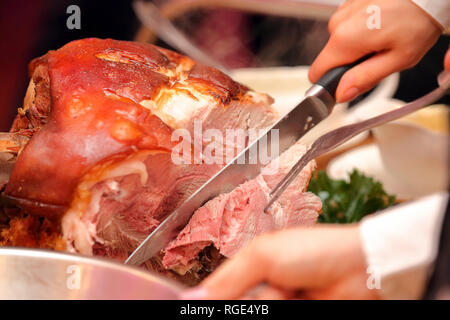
349	201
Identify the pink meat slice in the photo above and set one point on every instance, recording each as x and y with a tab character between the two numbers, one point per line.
231	220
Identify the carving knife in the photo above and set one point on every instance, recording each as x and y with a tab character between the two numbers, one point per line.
316	105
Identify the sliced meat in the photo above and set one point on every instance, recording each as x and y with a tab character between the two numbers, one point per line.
231	220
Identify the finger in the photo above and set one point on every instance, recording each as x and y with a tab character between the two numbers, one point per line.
336	53
345	4
447	60
336	19
267	292
353	286
237	275
340	15
367	74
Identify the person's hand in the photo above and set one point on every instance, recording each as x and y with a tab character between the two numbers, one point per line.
406	34
324	262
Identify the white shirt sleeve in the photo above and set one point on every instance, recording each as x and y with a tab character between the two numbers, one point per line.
438	9
400	245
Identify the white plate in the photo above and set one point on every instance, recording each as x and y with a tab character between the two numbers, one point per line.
287	85
367	159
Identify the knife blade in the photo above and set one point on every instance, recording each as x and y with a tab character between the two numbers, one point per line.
315	106
289	129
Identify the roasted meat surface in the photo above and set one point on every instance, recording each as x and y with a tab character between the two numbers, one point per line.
101	117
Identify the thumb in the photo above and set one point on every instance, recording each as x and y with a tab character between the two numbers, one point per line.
233	278
367	74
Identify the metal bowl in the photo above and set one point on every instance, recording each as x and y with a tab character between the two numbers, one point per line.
41	274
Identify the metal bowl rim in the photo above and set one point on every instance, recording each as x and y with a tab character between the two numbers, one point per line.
93	261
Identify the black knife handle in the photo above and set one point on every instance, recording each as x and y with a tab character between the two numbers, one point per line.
331	79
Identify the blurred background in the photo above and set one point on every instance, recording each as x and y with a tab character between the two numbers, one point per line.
236	34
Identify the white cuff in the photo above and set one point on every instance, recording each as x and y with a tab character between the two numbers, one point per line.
438	9
401	243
